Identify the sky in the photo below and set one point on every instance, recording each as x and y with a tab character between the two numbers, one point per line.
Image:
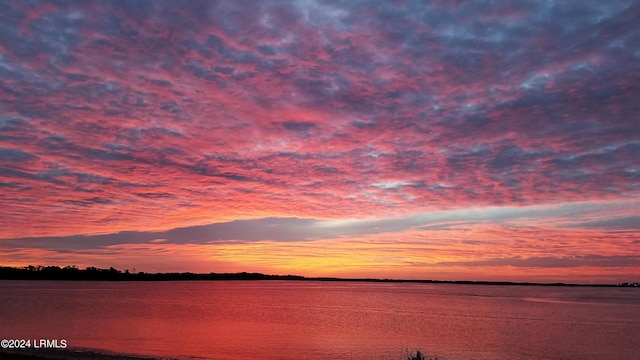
454	140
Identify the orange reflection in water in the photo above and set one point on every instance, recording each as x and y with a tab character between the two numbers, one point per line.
337	320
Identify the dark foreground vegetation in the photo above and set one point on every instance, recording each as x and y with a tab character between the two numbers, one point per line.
57	354
95	274
111	274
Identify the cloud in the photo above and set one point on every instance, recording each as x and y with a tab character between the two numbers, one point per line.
145	117
631	222
307	229
555	262
15	155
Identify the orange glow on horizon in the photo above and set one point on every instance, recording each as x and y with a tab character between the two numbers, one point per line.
412	254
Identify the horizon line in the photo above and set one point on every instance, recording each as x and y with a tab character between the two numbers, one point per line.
91	273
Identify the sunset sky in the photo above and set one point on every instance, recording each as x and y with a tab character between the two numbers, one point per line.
482	140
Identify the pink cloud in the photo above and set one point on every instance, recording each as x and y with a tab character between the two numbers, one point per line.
150	117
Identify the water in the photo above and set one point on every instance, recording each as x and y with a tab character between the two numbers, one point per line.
325	320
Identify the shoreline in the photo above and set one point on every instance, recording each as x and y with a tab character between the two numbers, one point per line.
73	273
398	281
70	354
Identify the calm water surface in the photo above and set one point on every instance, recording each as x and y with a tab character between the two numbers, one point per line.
326	320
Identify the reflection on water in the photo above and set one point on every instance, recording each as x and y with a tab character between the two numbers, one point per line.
300	320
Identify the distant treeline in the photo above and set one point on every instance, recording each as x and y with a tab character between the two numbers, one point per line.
111	274
95	274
